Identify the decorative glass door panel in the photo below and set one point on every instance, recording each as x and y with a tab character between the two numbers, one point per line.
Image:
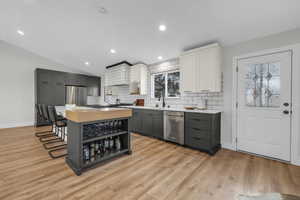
262	87
264	105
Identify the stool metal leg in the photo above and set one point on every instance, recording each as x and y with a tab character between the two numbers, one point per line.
52	137
53	147
58	149
58	140
42	133
54	150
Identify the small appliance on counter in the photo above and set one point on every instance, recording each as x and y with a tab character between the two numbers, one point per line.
140	102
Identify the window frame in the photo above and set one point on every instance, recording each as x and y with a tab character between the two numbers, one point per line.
166	73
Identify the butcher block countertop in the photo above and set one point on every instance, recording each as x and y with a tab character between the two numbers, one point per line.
87	115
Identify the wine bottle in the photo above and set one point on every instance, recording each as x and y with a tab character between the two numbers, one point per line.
106	146
120	125
92	152
117	143
111	144
96	149
100	151
86	154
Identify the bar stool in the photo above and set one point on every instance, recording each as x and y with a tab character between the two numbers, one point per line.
60	126
54	135
41	116
60	138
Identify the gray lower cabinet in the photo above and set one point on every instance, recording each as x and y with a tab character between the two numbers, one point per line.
202	131
158	125
135	123
147	122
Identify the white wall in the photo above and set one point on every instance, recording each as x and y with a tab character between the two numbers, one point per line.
270	42
17	84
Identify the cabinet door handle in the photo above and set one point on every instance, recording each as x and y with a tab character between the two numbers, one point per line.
197	129
175	115
286	112
286	104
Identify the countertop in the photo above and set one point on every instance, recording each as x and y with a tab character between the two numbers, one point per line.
208	111
108	105
92	114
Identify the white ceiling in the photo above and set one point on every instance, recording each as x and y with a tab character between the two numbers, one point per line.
74	31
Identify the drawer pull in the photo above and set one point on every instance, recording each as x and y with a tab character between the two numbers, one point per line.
201	120
197	138
197	129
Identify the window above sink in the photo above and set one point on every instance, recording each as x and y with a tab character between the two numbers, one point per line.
166	83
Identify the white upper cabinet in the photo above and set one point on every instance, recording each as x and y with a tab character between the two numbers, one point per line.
138	79
201	69
187	72
118	75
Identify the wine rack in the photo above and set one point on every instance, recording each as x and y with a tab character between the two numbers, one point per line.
92	143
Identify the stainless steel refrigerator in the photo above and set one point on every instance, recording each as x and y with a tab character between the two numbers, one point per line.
76	95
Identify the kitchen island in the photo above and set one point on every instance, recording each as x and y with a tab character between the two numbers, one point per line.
96	135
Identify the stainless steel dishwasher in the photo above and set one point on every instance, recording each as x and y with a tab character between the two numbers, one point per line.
174	126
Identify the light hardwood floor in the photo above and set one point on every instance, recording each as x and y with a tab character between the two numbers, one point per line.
156	170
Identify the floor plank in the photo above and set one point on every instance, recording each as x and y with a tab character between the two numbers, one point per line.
156	170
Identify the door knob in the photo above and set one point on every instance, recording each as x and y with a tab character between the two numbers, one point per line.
286	104
286	112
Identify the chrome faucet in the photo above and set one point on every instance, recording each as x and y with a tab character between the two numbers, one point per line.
163	99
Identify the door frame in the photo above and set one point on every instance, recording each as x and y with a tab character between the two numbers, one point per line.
295	117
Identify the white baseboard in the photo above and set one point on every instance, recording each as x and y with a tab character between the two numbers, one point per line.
296	162
228	146
16	124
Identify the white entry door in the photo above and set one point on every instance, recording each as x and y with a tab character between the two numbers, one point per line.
264	105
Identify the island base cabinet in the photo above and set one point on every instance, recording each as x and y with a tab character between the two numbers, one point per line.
202	131
92	143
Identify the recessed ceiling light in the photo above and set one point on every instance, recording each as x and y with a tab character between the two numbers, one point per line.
102	10
112	51
87	63
162	27
20	32
159	57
